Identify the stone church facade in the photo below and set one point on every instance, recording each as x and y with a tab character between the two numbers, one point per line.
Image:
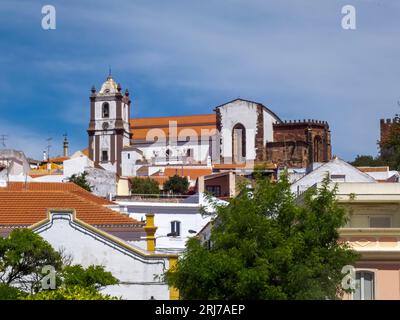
240	133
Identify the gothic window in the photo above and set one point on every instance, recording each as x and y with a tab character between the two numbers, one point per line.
365	284
318	152
106	110
239	143
176	228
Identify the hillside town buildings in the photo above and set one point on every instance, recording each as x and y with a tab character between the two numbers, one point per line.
138	237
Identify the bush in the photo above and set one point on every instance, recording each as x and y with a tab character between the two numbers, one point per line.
69	293
10	293
177	184
81	181
144	186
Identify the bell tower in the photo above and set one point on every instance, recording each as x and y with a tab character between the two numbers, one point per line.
109	128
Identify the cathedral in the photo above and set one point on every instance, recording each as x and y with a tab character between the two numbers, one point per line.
238	134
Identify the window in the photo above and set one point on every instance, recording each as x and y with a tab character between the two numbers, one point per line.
338	177
214	190
239	143
104	156
380	222
129	155
176	228
106	110
168	154
189	153
364	286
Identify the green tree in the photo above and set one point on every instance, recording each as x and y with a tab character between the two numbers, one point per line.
23	254
92	277
81	180
267	246
367	161
177	184
69	293
144	186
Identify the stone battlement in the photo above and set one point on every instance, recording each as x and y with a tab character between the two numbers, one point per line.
304	121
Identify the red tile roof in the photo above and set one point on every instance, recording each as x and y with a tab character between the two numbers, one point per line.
140	127
56	186
192	173
26	204
24	208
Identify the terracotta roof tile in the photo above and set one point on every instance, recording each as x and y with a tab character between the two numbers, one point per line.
56	186
193	173
141	126
29	207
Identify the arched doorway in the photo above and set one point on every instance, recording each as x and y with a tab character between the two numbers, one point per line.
239	143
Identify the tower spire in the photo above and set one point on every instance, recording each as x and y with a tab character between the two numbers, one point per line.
109	73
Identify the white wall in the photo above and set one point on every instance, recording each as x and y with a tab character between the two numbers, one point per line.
135	272
187	213
76	165
334	167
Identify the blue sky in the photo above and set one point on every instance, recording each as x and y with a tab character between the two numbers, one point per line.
186	57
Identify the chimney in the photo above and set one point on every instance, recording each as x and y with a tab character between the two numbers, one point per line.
150	230
65	145
200	185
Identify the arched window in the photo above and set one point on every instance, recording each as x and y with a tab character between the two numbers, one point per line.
176	228
106	110
365	286
168	154
318	152
239	143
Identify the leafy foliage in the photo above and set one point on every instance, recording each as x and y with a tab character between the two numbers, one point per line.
23	254
81	180
144	186
92	277
10	293
367	161
69	293
266	246
177	184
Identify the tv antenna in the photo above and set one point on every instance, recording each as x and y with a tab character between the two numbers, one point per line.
48	147
3	139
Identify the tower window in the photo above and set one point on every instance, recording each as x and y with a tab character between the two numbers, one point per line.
104	156
106	110
176	228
